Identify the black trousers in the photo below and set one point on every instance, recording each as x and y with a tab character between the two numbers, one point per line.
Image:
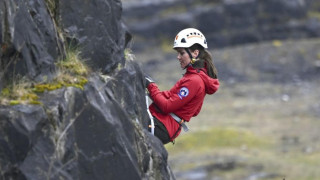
160	131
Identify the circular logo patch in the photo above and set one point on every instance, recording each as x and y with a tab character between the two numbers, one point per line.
183	92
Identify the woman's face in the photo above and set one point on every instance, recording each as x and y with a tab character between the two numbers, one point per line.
183	57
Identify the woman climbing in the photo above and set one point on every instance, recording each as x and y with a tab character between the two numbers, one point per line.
172	109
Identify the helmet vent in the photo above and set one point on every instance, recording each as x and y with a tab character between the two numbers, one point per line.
183	40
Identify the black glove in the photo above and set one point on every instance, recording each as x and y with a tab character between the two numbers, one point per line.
149	80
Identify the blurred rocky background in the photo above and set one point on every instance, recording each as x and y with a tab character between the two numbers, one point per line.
263	122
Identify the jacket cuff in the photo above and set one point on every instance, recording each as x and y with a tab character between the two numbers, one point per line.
151	86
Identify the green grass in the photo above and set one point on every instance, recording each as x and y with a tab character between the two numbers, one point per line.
218	137
314	14
72	71
18	92
73	63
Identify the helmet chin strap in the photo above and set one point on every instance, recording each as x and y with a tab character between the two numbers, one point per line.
193	60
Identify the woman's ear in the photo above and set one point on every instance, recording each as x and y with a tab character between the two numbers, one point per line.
195	53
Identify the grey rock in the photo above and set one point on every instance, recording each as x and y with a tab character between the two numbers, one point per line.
29	41
82	135
97	28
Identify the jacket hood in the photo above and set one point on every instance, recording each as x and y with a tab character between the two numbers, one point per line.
211	85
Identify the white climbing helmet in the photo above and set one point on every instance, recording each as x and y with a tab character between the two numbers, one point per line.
188	37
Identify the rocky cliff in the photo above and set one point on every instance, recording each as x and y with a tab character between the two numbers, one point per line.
69	124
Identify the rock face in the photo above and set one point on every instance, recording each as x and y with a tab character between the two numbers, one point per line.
29	41
82	135
98	27
93	133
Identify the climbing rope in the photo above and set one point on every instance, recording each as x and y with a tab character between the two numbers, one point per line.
150	116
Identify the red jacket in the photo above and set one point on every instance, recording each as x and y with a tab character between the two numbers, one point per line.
184	99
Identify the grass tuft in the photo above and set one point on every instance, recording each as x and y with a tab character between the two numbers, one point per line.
72	72
128	55
73	64
19	92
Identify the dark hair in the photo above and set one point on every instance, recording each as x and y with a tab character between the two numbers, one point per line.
205	61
